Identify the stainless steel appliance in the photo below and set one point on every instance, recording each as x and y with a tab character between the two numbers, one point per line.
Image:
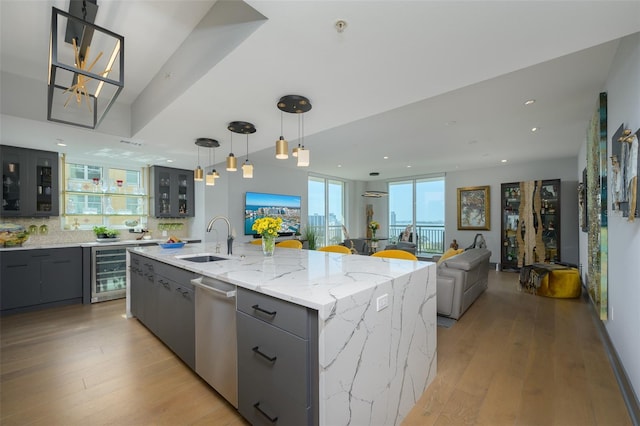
108	273
216	341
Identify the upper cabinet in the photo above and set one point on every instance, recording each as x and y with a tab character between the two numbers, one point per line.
172	192
530	223
29	182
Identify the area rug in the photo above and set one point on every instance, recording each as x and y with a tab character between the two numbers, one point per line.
445	322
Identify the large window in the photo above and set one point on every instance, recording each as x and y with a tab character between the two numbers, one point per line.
418	204
97	195
326	209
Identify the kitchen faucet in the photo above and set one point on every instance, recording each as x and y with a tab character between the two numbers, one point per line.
229	236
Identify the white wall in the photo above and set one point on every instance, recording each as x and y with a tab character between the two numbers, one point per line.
623	326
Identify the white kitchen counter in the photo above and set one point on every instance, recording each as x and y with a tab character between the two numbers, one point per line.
374	365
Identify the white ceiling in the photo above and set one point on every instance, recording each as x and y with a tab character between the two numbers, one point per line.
434	85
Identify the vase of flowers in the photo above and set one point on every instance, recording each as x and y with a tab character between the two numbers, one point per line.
374	226
268	228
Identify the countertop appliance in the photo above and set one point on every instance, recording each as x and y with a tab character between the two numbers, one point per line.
216	340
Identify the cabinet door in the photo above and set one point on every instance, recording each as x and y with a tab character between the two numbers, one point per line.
184	329
44	175
19	280
550	214
510	221
14	181
172	192
136	285
62	275
29	182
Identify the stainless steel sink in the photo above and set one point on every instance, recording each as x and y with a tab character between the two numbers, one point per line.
202	258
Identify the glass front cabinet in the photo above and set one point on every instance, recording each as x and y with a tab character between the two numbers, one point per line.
172	192
530	223
29	182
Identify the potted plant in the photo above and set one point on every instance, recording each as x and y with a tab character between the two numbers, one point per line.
311	236
105	232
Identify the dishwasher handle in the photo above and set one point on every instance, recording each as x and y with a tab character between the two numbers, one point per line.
229	294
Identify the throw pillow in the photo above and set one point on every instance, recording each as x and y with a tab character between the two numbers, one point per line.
449	253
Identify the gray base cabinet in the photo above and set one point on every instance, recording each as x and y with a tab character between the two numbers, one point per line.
162	298
277	361
38	278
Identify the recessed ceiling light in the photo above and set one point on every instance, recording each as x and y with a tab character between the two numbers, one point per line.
409	166
534	129
386	157
503	161
529	101
169	161
61	144
339	165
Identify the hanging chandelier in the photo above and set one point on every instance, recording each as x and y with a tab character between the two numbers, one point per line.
86	66
244	128
198	173
294	104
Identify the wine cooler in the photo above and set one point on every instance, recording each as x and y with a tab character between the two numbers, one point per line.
109	273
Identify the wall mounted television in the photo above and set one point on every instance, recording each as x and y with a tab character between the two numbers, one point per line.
287	207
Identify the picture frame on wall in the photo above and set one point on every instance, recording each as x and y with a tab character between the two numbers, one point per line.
474	208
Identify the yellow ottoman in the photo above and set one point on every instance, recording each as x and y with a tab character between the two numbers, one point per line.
548	280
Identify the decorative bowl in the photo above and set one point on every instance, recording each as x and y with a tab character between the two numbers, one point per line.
172	245
12	235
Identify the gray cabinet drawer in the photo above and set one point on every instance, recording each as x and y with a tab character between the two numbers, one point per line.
287	372
261	406
286	315
174	274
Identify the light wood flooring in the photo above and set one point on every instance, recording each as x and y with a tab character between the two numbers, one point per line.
513	359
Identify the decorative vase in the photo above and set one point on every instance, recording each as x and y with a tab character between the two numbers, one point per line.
268	245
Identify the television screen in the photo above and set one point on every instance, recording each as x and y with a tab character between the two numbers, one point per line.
287	207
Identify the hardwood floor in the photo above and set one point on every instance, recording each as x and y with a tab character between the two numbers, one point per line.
518	359
513	359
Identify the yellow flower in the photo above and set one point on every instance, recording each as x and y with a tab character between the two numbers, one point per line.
374	226
267	226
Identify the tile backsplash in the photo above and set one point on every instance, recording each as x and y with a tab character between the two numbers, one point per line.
55	234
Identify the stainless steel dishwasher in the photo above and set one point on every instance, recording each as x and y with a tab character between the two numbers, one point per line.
216	340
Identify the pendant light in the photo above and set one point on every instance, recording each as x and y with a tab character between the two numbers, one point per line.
295	104
303	154
210	179
244	128
198	173
232	163
247	167
282	146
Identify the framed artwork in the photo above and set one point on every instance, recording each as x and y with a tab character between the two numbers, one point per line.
473	208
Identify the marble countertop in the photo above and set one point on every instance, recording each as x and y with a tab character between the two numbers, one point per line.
306	277
94	243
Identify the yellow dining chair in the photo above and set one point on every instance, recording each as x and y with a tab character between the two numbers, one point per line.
256	241
336	249
396	254
290	244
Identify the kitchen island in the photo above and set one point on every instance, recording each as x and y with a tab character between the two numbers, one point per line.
376	321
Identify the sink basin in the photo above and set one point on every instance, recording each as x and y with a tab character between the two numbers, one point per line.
202	258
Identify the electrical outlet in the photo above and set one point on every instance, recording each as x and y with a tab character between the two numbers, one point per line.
382	302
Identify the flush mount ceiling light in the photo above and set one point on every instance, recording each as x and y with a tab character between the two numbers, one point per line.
296	104
244	128
375	194
86	66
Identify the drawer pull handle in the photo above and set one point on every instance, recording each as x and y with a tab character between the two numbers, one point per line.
257	350
264	311
271	419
